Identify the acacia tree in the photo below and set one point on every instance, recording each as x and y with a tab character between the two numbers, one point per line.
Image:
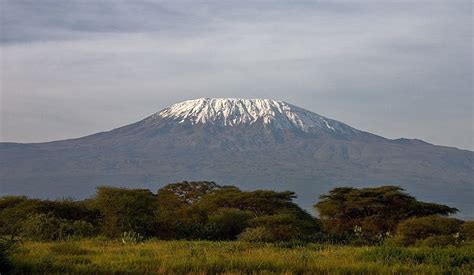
373	210
259	202
205	210
187	193
126	210
271	215
176	216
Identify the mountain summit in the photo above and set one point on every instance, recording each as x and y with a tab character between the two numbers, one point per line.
250	143
236	111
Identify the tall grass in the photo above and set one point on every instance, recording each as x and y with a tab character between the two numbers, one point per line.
178	257
450	257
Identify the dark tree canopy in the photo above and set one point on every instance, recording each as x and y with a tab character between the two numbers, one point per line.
14	210
375	210
205	210
260	202
126	210
201	209
419	229
176	216
186	193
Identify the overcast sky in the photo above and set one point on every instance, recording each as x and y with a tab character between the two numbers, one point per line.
397	69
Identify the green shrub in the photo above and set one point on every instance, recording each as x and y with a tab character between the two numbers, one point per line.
467	231
82	229
437	241
414	230
228	223
46	227
40	227
126	210
285	227
14	211
257	234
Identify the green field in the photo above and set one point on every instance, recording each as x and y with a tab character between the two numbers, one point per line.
178	257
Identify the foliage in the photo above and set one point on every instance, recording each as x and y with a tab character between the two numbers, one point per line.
177	217
45	227
257	234
467	231
286	227
13	211
18	212
259	202
229	222
206	211
126	210
438	241
185	193
374	210
213	212
439	230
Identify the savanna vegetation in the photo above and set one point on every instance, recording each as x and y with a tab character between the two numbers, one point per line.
208	228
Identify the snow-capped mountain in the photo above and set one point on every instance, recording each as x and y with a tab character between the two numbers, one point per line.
236	111
252	143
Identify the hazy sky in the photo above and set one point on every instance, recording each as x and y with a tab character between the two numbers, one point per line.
397	69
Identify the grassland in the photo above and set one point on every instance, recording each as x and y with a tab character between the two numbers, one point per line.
178	257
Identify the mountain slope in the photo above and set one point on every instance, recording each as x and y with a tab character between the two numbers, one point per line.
250	143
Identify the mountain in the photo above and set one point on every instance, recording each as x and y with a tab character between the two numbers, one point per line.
252	143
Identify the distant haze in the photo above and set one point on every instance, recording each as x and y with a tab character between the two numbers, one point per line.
392	68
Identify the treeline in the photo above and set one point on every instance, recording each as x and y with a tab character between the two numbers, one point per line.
207	211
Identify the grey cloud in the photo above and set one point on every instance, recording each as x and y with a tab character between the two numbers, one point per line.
395	69
30	20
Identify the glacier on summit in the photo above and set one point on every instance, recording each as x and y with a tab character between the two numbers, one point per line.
236	111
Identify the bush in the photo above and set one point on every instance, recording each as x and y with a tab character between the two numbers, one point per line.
15	210
228	223
288	227
416	230
126	210
46	227
437	241
257	234
281	228
467	231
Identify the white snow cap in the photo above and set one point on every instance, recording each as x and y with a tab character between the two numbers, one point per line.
236	111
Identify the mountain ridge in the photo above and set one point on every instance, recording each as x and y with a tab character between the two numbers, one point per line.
160	149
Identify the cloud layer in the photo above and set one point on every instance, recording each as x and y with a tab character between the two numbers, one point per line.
71	68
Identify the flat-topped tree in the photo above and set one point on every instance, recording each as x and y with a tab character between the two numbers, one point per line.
186	193
259	202
374	210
